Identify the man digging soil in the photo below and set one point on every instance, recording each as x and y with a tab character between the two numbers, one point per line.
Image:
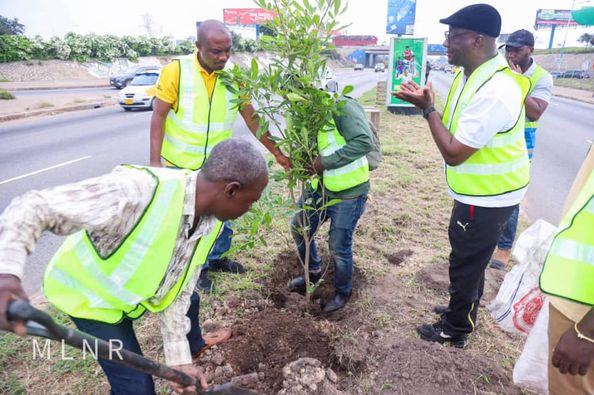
138	237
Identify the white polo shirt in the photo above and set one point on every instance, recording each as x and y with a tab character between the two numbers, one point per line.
494	108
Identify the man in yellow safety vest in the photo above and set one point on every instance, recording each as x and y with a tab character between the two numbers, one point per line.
138	237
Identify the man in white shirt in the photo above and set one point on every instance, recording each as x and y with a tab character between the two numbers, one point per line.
518	51
480	137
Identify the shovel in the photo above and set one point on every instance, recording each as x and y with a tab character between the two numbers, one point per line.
41	324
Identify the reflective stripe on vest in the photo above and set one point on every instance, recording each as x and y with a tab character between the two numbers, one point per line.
568	270
200	122
531	126
502	165
347	176
81	283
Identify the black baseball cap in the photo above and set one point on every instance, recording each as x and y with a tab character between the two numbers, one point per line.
480	18
520	38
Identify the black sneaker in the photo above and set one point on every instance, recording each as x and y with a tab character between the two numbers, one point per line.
297	284
441	309
434	333
204	282
226	265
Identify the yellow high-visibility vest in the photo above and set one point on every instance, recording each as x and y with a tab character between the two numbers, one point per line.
502	165
568	270
83	284
201	122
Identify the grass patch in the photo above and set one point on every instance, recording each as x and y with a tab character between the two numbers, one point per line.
584	84
44	104
6	95
368	98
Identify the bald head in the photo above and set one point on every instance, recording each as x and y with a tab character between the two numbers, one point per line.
235	160
211	27
214	45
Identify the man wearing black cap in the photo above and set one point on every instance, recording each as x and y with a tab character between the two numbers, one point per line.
481	138
518	50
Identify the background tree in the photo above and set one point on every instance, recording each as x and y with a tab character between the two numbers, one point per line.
586	38
11	26
288	88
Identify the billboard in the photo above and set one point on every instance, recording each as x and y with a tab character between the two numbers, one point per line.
246	16
401	17
407	63
554	17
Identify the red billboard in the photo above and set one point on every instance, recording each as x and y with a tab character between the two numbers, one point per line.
246	16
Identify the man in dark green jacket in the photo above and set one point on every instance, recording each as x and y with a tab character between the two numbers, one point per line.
345	176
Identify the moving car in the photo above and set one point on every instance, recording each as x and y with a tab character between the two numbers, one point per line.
379	67
122	80
358	66
579	74
140	92
328	80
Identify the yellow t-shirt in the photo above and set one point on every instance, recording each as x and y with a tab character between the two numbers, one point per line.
168	86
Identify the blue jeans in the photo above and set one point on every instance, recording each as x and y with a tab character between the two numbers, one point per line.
124	380
506	240
222	244
343	219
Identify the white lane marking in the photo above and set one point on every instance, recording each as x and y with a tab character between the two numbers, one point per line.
44	170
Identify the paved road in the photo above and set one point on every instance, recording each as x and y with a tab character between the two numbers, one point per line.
565	134
43	152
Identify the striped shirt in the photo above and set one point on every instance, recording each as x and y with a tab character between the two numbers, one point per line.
107	207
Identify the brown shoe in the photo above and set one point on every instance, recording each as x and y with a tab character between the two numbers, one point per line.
500	259
214	338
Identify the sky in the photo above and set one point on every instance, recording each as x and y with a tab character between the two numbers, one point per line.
177	17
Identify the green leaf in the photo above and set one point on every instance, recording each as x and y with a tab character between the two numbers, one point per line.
347	89
294	97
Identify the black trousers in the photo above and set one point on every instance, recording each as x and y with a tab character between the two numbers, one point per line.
473	233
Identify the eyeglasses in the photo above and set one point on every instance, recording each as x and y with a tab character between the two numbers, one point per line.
450	37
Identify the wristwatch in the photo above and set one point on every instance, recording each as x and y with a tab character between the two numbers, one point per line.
428	111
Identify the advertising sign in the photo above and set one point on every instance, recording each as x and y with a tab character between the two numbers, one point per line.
554	17
407	63
401	17
246	16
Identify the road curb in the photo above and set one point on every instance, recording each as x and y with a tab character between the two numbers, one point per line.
57	110
580	99
47	88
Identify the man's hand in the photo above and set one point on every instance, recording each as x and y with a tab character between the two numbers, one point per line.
410	92
283	160
515	67
10	289
317	166
572	354
193	371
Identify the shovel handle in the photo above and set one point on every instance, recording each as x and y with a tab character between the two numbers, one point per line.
22	310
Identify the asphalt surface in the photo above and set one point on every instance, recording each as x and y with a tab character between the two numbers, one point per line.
43	152
564	136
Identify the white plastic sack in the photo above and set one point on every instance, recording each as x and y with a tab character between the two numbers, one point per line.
531	369
519	299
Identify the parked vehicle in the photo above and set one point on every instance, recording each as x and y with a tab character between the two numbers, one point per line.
122	80
328	80
379	67
140	92
579	74
557	74
359	66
